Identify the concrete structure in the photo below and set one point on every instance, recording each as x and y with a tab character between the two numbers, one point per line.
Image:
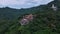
24	22
54	7
26	19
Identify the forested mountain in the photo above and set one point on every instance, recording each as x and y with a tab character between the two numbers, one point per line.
46	22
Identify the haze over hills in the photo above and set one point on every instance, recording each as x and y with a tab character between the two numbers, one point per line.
40	25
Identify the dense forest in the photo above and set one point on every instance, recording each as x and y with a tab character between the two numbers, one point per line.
47	20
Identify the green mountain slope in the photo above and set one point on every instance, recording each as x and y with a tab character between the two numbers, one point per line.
47	21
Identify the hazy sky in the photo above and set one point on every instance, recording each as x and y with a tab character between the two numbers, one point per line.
22	3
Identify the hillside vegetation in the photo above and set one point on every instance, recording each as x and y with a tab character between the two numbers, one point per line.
47	21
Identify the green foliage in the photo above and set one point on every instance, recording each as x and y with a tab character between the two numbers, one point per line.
41	24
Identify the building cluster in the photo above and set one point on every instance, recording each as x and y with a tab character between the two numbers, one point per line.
26	19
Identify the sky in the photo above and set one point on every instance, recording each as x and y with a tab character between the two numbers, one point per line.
22	3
